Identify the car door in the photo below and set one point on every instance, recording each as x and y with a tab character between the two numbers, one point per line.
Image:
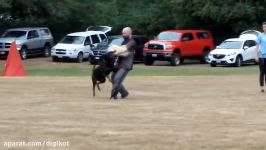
95	40
249	50
140	41
87	47
33	43
102	37
187	44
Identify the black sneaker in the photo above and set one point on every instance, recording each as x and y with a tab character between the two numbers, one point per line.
124	96
113	98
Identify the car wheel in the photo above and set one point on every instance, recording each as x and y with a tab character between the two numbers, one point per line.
148	61
238	62
175	60
55	59
213	65
47	51
23	53
204	58
80	58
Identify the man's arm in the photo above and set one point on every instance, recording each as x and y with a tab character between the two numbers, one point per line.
131	46
257	53
257	48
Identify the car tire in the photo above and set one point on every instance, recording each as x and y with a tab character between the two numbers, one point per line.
213	65
47	51
55	59
175	60
79	58
23	53
148	61
239	61
204	56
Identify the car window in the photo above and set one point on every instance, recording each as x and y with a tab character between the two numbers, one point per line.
102	36
88	41
187	37
14	34
250	43
173	36
145	40
137	40
203	35
45	32
73	39
231	45
95	39
33	34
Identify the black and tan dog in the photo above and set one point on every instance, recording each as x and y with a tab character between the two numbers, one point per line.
103	71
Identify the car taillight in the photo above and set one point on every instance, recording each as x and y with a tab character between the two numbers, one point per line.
146	45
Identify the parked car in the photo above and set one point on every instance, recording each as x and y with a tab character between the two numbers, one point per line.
176	45
102	47
30	41
77	45
235	51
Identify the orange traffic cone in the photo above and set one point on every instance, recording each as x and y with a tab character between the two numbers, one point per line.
14	65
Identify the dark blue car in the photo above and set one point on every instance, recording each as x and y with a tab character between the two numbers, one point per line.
100	50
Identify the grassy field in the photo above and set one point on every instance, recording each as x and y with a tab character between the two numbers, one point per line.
190	107
161	113
45	67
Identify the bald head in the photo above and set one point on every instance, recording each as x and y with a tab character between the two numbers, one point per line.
127	33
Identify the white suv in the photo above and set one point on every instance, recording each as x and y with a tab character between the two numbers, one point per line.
235	51
77	45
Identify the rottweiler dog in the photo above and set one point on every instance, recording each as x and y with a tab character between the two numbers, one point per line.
103	71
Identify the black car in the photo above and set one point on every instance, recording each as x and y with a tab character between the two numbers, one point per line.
102	47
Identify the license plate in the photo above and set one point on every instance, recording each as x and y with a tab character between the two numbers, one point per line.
154	55
2	53
218	61
97	58
60	56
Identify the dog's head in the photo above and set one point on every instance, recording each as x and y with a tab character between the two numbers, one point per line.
109	59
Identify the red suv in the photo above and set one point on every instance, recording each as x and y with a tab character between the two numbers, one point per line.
175	45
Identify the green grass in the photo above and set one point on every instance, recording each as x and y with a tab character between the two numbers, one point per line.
186	70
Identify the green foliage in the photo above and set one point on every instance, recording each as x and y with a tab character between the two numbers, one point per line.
224	18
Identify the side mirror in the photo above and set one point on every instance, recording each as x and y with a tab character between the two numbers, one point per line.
86	44
185	39
30	37
246	47
94	45
218	47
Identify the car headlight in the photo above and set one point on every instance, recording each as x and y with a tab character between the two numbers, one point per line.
168	46
231	54
146	45
72	50
52	49
18	44
210	55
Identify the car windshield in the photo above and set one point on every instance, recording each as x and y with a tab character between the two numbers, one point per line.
230	45
14	34
111	41
168	36
73	40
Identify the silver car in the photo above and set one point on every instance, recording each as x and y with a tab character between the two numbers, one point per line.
30	41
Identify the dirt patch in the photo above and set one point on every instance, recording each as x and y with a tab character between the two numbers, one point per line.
161	113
